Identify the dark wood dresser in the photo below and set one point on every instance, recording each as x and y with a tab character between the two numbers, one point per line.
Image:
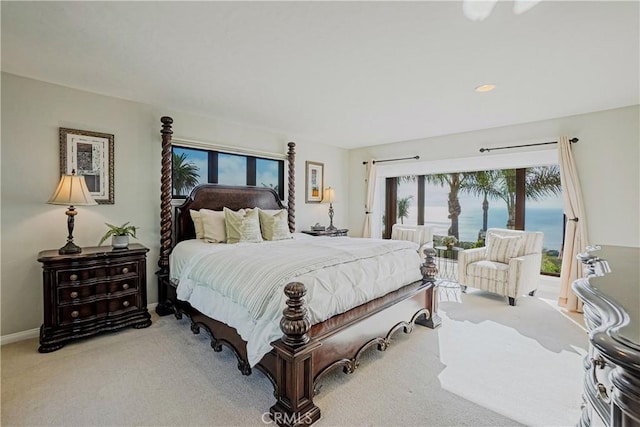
100	289
612	315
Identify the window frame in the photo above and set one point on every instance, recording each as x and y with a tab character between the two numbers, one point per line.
213	168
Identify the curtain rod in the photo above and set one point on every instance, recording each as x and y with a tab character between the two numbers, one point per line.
392	160
482	150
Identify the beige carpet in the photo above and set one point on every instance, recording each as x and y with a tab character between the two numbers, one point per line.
488	365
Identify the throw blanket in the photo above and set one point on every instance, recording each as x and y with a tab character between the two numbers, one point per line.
250	274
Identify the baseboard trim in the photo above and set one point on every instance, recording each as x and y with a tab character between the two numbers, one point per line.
19	336
35	333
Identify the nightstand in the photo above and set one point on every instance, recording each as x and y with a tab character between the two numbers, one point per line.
100	289
330	233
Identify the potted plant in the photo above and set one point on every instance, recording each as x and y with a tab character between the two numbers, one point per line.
119	235
449	241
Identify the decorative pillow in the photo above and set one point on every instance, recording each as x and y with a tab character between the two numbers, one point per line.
241	227
213	226
503	248
197	223
274	226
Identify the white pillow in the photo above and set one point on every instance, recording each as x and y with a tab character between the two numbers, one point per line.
242	227
213	224
274	226
503	248
197	223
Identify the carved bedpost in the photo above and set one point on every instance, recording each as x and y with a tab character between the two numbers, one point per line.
294	363
429	271
163	308
291	157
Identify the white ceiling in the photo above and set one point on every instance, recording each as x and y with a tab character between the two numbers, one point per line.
348	74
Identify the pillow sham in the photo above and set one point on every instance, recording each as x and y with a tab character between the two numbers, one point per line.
196	217
213	226
274	226
242	227
503	248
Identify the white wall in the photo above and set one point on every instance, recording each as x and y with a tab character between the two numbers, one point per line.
607	158
32	112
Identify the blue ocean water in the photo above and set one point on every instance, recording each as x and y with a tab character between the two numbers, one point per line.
547	220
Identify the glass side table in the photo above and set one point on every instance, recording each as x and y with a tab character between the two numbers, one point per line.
447	261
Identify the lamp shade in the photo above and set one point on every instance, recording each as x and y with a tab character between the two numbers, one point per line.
329	195
72	190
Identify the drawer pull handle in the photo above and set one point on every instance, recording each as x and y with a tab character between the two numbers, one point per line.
602	390
73	277
125	286
125	270
75	313
125	304
74	294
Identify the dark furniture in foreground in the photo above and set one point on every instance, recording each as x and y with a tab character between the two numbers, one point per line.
100	289
612	316
331	233
305	353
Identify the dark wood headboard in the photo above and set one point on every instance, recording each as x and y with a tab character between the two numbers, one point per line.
216	197
211	196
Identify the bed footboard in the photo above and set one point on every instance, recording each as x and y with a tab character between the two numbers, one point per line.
302	358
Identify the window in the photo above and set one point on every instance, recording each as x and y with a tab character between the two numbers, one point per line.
232	169
268	173
465	204
193	166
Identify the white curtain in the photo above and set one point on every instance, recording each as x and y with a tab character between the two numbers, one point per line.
371	192
575	236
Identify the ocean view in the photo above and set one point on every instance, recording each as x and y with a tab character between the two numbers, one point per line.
547	220
544	215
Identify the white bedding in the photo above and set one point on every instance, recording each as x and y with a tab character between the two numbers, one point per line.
331	289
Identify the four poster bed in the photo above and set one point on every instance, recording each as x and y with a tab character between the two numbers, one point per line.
304	351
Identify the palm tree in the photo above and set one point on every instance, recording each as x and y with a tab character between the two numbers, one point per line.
276	187
483	183
403	208
456	181
185	174
540	182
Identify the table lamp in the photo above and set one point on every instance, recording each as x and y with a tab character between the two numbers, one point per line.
330	197
72	190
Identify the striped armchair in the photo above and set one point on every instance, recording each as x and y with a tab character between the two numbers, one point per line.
420	234
508	265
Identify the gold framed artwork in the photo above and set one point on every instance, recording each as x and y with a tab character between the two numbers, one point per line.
89	154
314	182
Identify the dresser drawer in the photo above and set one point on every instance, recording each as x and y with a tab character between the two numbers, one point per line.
83	293
123	285
79	275
77	313
76	275
123	303
80	293
128	268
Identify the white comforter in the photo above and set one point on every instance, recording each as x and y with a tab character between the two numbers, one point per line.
339	273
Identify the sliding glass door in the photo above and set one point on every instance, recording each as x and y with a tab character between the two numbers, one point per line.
466	204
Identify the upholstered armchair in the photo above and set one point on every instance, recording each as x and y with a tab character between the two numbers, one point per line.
508	265
420	234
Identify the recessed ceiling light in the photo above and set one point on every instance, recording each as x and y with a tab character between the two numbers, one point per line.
485	88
